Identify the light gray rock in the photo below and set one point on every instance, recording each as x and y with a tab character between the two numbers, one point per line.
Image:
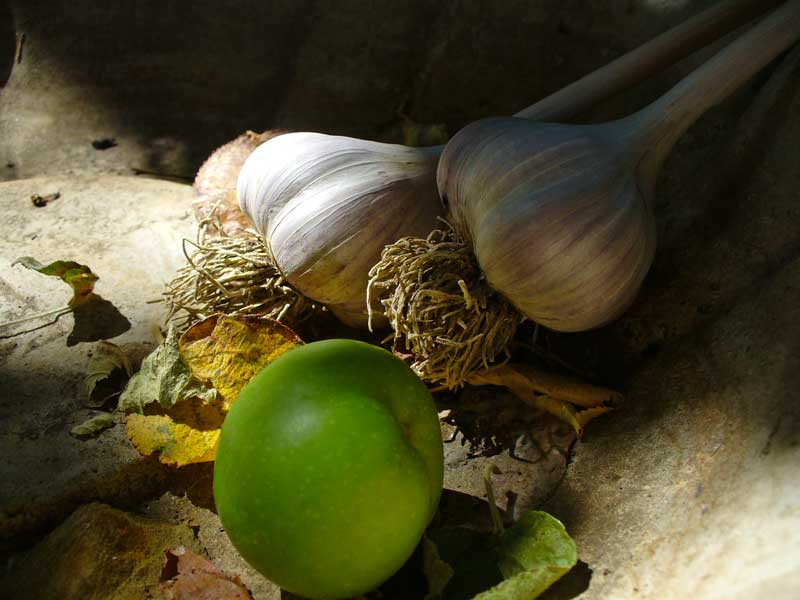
128	231
692	491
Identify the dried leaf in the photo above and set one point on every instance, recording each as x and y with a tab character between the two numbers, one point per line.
223	354
187	576
163	379
228	351
79	277
176	443
94	425
106	359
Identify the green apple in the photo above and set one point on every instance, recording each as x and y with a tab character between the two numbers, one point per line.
329	468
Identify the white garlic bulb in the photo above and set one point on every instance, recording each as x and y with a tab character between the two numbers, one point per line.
554	217
327	205
560	216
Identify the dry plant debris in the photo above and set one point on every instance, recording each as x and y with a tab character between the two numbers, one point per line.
234	275
187	576
441	308
176	413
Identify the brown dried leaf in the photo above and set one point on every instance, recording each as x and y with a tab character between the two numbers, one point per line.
107	358
187	576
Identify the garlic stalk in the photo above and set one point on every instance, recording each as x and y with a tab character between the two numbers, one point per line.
560	216
327	205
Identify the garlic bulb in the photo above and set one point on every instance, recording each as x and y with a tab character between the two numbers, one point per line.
554	217
560	216
327	205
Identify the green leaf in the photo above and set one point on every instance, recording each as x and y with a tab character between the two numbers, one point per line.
164	379
532	555
106	359
437	572
94	425
79	277
520	564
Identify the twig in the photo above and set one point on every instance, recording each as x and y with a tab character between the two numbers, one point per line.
59	311
20	44
497	521
13	335
138	171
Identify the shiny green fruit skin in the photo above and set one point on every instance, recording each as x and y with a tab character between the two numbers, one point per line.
329	468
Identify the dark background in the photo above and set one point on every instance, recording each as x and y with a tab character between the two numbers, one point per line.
170	81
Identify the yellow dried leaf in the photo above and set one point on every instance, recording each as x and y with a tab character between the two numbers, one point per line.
228	351
176	443
223	351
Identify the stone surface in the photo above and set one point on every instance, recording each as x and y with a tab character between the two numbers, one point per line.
180	509
128	230
171	85
689	491
487	426
98	553
692	491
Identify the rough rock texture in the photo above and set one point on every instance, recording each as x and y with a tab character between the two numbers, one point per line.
128	230
211	535
98	553
489	425
688	491
691	490
170	85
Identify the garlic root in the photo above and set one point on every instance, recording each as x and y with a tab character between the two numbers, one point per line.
232	274
440	307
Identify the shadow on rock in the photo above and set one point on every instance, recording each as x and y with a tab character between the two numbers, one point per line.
571	585
97	319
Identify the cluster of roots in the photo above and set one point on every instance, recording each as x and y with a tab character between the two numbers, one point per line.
441	307
233	274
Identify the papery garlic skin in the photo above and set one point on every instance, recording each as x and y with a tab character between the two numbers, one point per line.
556	219
327	205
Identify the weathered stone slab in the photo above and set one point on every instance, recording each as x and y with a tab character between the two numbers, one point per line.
692	491
98	553
128	230
211	534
